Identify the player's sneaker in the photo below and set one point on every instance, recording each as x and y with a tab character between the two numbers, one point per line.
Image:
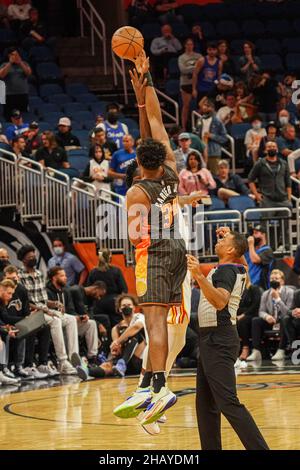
134	404
162	419
153	429
161	402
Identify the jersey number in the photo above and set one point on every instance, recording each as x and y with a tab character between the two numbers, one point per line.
169	210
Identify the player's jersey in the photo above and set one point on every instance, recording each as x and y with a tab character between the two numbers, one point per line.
162	220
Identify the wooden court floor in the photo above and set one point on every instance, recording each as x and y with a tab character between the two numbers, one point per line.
79	416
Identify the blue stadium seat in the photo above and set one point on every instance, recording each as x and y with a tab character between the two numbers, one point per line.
46	108
32	90
72	108
83	136
253	28
151	31
180	30
228	29
217	205
48	71
236	46
238	131
82	116
28	116
53	117
74	89
135	133
215	12
39	54
267	11
71	172
60	99
293	62
296	25
98	108
291	44
191	13
241	203
7	37
268	46
35	102
278	27
49	89
209	31
78	159
89	125
172	88
244	13
272	62
77	126
130	123
45	126
86	98
173	68
78	153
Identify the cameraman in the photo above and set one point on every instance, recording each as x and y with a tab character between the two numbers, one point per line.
259	257
274	307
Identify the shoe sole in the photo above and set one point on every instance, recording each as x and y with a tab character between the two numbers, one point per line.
158	414
144	426
117	372
76	360
82	373
131	411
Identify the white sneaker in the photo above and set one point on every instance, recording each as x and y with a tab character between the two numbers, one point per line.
4	380
47	370
36	373
255	356
65	368
279	356
153	429
162	419
160	402
8	373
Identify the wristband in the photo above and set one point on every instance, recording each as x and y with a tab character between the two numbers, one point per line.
149	79
141	106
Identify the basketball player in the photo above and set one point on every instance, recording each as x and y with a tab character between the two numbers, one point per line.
160	251
219	345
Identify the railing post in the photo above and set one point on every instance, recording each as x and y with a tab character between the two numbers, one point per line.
92	33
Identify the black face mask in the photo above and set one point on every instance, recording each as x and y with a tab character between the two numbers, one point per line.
257	241
126	311
3	264
275	284
32	263
112	118
272	153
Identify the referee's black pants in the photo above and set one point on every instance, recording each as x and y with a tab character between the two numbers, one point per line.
216	391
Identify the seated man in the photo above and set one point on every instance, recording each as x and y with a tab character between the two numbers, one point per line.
274	306
228	185
57	291
291	322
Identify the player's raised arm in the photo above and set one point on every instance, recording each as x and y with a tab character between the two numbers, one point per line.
139	86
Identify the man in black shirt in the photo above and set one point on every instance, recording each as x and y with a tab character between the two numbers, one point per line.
219	345
64	136
33	31
50	154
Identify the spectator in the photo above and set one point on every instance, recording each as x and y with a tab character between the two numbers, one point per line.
288	142
271	136
119	163
59	322
266	96
64	136
128	337
284	118
18	12
23	350
253	137
34	32
220	90
15	73
4	20
140	12
115	130
198	38
212	132
274	306
87	327
18	127
186	63
286	86
228	66
7	332
163	49
166	10
244	100
67	261
34	140
248	309
291	322
96	171
273	177
50	154
259	257
227	184
19	147
208	69
99	138
195	177
185	147
230	113
249	63
115	282
4	261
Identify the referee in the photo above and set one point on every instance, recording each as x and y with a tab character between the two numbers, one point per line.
219	345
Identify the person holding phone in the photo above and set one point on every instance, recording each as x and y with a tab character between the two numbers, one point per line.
274	307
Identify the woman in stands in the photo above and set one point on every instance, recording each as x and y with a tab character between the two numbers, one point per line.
195	177
96	172
249	63
186	63
224	56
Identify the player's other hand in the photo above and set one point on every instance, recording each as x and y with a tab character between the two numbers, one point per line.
195	198
139	84
193	265
222	232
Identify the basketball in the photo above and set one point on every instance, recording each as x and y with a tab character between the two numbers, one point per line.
127	42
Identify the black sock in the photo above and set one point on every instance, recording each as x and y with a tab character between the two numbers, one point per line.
159	381
1	367
146	382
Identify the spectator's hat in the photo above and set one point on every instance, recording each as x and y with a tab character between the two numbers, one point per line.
184	136
34	125
16	113
64	121
260	228
226	80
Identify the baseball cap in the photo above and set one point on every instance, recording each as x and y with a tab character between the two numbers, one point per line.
260	228
16	113
34	125
183	136
64	122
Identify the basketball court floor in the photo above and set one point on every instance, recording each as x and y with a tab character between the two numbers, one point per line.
67	414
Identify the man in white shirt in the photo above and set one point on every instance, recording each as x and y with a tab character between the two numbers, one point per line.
163	49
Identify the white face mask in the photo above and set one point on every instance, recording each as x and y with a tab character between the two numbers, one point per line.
256	126
283	120
58	250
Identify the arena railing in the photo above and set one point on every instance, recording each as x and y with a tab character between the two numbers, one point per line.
119	66
97	26
174	118
57	203
8	179
296	199
31	190
278	223
230	153
84	207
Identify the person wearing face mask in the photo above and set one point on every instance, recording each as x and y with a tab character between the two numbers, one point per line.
128	337
4	261
96	172
259	257
115	129
288	142
253	137
271	130
283	119
69	262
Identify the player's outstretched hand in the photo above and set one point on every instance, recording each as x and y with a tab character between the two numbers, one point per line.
193	265
139	84
142	63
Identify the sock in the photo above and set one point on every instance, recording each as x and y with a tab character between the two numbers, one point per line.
159	381
146	380
1	367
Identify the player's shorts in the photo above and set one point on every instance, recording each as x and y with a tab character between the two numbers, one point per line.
161	267
179	315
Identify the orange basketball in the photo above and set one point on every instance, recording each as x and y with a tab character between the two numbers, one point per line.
127	42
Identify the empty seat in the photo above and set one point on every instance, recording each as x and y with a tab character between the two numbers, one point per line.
172	88
130	123
272	62
291	44
79	163
82	116
151	31
228	29
215	12
60	99
236	46
173	68
49	89
35	102
47	71
98	107
241	203
53	117
253	28
7	37
86	98
45	108
180	30
32	90
296	25
77	126
191	13
83	136
74	89
244	13
72	108
45	126
278	27
89	125
293	62
268	46
41	54
265	10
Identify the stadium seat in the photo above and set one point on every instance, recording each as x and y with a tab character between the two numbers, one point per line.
7	37
32	90
86	98
292	9
53	117
217	205
82	116
77	126
72	108
172	88
228	29
28	116
41	54
78	159
268	46
49	89
208	29
278	27
45	126
83	136
46	108
241	203
151	31
244	13
98	108
236	46
130	123
191	13
173	68
135	133
74	89
60	99
272	62
253	28
180	30
71	172
238	131
215	12
291	45
296	25
265	10
89	125
293	62
35	103
48	71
